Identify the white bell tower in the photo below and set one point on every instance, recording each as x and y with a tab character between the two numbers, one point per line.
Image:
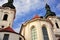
7	16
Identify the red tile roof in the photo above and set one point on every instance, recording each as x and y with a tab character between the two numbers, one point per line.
36	16
8	29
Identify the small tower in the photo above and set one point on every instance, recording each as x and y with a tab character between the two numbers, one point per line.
48	11
7	14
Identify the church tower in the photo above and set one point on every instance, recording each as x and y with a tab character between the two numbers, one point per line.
7	14
55	21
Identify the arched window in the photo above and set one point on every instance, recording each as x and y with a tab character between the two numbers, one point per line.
34	33
57	25
45	34
5	17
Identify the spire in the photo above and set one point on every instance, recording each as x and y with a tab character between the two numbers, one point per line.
48	11
9	4
47	7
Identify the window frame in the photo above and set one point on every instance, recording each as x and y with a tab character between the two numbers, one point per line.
5	17
45	33
57	26
6	37
33	33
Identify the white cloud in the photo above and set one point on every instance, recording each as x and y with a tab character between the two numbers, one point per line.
17	29
50	1
58	6
58	15
23	6
2	2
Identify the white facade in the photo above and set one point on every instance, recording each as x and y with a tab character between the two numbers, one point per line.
56	28
12	36
38	23
6	17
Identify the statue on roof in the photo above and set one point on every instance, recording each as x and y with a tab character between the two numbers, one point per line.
48	11
9	4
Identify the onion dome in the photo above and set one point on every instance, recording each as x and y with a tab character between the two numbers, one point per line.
9	4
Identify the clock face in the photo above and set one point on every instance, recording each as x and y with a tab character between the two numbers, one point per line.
2	2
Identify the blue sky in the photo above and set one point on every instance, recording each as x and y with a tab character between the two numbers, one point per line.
26	9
